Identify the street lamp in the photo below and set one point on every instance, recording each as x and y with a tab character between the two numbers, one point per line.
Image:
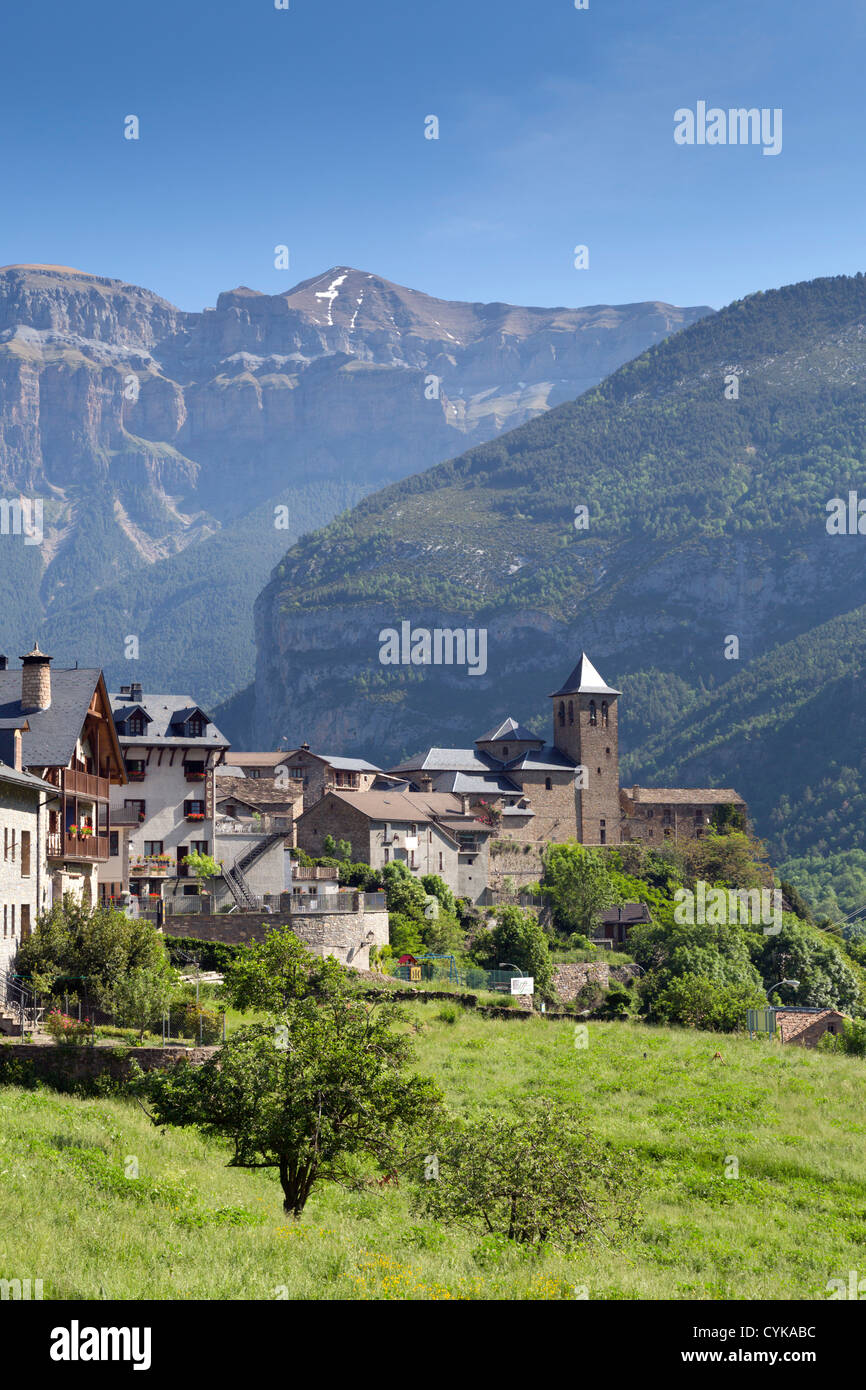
795	984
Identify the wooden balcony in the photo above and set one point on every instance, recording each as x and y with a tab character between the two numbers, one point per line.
83	784
88	848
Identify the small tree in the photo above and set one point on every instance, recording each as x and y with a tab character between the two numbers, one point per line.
518	937
324	1083
140	998
577	885
537	1178
268	975
204	867
329	846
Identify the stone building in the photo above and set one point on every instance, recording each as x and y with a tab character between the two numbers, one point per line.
56	725
170	746
655	814
25	885
532	793
431	833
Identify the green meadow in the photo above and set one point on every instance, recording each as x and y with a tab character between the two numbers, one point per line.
753	1165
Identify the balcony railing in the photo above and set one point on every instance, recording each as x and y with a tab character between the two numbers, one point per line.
79	783
89	847
149	867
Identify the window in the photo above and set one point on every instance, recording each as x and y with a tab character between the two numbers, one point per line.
593	717
604	714
650	814
562	713
254	772
113	844
607	751
387	854
135	726
603	836
297	773
548	784
440	861
199	846
195	726
505	751
25	853
571	711
152	848
25	921
136	806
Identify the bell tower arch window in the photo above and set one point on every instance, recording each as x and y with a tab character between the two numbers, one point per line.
604	714
593	716
571	711
562	713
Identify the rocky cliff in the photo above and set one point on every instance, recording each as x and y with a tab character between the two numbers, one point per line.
160	441
673	522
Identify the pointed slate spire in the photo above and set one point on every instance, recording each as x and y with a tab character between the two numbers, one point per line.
585	680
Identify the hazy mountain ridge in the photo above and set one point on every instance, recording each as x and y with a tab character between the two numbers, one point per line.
148	430
707	519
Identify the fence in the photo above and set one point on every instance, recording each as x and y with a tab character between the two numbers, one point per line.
446	970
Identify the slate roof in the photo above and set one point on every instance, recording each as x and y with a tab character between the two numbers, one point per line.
628	913
687	796
25	779
258	792
585	680
257	759
165	712
449	760
509	728
53	733
478	783
546	759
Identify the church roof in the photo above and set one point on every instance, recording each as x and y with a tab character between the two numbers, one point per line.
585	680
509	728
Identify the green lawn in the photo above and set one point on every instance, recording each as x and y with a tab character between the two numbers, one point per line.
188	1227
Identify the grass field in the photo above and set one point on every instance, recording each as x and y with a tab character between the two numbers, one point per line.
188	1227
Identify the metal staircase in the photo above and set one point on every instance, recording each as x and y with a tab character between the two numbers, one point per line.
19	1011
240	890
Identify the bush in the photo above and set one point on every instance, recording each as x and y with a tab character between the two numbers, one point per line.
66	1030
538	1178
449	1013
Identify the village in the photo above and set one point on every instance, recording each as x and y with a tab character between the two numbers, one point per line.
136	801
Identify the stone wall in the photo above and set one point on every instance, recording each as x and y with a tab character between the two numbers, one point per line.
85	1063
346	935
569	980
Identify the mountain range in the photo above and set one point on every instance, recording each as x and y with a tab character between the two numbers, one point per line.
176	453
678	505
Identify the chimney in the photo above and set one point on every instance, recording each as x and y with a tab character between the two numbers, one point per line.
135	691
464	802
35	680
635	793
425	783
4	663
16	751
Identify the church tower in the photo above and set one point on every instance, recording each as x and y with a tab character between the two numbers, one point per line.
585	730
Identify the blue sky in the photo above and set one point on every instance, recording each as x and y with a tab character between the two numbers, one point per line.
306	127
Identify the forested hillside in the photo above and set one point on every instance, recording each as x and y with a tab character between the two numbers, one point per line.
706	466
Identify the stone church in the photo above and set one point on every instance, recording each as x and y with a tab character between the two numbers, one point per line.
532	792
